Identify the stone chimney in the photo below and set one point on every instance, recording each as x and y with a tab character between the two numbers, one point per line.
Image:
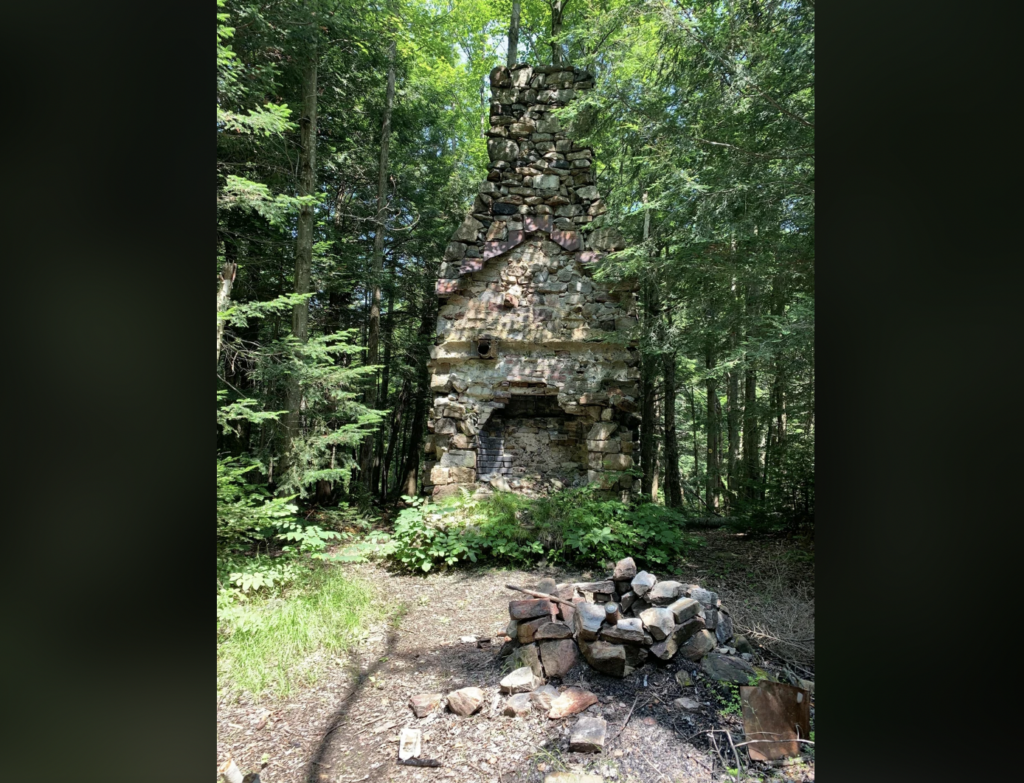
534	371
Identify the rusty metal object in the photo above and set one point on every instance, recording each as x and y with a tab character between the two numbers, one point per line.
773	714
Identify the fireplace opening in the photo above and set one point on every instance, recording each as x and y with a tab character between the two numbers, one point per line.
532	441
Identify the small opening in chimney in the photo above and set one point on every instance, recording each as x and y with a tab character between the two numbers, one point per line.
485	348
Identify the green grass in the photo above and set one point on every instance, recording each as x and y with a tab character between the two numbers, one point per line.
278	645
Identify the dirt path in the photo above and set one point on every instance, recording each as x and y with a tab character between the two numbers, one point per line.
345	730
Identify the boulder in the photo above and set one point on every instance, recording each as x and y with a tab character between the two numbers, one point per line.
683	609
625	569
728	668
571	701
588	735
642	583
698	645
558	656
659	621
664	593
465	701
522	680
518	705
424	703
606	657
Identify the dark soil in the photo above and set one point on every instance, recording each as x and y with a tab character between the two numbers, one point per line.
346	729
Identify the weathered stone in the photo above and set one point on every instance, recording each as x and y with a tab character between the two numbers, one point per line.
543	696
602	430
424	703
741	643
467	231
455	251
458	459
588	735
698	645
522	680
706	597
606	657
664	593
723	632
684	608
587	192
609	446
521	76
728	668
547	586
553	631
617	462
658	621
711	618
606	239
628	629
571	701
501	77
626	600
684	678
625	569
688	704
530	608
570	240
605	586
465	701
677	636
557	656
589	617
502	149
643	582
572	777
527	629
518	705
528	655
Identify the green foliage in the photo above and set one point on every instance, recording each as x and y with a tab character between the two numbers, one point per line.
572	527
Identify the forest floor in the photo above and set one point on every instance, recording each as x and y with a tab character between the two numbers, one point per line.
345	729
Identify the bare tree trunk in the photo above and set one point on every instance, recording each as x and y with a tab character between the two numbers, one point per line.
556	28
751	433
303	247
373	335
227	280
714	459
389	328
732	391
513	34
648	378
673	489
412	459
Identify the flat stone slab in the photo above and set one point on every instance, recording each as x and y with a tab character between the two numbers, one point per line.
424	703
605	586
465	701
628	629
728	668
588	735
553	631
706	597
522	680
528	610
642	583
571	701
544	696
588	620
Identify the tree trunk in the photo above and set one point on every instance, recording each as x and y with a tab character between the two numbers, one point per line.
556	29
373	333
751	433
673	489
513	35
648	377
227	279
732	391
712	482
389	328
415	443
303	247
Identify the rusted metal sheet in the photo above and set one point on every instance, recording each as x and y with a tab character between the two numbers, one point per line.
775	712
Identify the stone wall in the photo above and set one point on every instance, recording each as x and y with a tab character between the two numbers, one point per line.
521	315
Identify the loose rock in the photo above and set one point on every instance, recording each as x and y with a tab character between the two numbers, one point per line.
588	735
518	705
570	702
659	621
642	583
624	569
424	703
728	668
688	704
522	680
465	701
664	593
544	696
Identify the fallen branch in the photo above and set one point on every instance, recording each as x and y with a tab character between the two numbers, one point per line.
420	762
535	594
788	739
628	716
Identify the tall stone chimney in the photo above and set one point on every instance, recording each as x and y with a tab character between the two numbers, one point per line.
533	372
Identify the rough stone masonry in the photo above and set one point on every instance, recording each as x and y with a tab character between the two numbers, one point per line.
534	372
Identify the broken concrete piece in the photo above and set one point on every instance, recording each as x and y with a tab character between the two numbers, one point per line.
424	703
558	656
465	701
625	569
588	735
659	621
642	583
570	702
522	680
518	705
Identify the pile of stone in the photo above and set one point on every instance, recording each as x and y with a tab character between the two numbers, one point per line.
616	623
